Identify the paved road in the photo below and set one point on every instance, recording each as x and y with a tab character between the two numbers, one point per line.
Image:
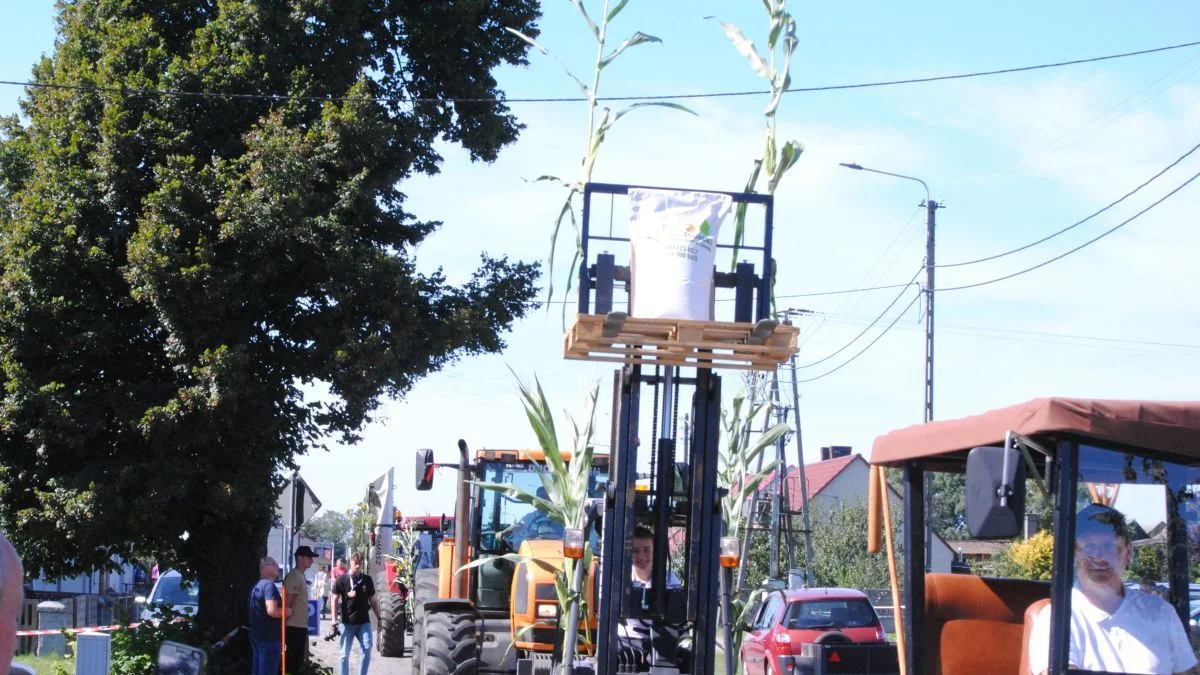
326	653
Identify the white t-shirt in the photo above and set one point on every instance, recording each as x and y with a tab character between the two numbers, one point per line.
1143	636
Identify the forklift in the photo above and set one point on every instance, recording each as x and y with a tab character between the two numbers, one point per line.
678	498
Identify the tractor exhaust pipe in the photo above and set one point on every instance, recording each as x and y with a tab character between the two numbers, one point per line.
462	522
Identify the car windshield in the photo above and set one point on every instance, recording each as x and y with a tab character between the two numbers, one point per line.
173	590
830	613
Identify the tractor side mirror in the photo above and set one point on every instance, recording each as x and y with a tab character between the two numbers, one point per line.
425	466
995	493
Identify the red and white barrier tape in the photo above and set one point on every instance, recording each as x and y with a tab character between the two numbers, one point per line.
59	631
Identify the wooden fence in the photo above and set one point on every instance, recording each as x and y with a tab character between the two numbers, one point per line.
82	611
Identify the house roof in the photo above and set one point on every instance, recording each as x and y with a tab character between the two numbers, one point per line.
977	546
818	476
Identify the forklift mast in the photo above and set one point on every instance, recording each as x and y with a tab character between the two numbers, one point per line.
682	505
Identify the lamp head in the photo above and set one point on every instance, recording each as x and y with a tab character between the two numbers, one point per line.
851	165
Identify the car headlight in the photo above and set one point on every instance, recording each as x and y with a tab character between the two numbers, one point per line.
547	611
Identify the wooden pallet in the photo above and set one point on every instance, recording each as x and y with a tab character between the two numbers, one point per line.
679	342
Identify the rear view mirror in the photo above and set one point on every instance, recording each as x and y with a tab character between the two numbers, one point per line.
425	466
180	659
995	493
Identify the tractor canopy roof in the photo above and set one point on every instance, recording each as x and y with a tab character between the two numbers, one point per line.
1170	427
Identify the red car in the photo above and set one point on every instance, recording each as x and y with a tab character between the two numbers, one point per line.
780	637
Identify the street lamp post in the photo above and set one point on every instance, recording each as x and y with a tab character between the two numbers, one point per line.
931	208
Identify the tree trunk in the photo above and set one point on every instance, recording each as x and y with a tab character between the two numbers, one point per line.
227	559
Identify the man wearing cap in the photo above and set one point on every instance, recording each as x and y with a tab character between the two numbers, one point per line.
1113	628
266	608
295	586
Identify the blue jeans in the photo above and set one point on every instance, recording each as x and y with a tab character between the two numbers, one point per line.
350	631
265	657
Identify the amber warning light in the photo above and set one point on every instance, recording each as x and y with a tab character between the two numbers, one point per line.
573	543
730	552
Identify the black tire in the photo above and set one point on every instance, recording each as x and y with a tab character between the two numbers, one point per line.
425	587
451	647
392	625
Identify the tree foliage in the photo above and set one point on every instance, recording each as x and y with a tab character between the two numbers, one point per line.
178	271
1149	562
839	540
334	526
1031	558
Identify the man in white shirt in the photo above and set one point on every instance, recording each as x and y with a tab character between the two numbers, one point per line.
1113	629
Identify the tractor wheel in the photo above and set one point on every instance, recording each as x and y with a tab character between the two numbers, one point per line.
392	625
425	587
450	644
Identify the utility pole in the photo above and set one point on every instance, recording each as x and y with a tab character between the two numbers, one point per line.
809	579
931	208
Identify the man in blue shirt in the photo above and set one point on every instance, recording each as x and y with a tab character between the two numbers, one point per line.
266	631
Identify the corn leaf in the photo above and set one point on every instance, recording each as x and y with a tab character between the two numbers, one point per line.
566	210
583	12
612	13
739	216
554	179
638	38
787	159
582	87
651	104
746	48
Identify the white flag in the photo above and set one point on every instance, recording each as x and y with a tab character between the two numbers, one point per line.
382	487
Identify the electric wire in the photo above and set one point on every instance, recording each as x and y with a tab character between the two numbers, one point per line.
1036	156
127	91
870	344
1078	222
805	339
869	326
1079	247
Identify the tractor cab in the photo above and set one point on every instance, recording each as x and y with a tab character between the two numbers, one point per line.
1118	484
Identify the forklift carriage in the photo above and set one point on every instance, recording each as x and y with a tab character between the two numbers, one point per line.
1140	457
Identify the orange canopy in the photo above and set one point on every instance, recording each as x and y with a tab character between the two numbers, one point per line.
1164	426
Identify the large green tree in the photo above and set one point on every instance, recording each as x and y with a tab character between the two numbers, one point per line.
182	265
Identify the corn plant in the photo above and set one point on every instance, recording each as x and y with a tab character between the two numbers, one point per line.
565	479
775	68
599	120
404	543
734	474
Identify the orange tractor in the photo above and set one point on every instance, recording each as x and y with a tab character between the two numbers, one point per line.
500	616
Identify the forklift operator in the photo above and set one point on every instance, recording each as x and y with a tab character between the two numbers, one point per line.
634	634
1113	628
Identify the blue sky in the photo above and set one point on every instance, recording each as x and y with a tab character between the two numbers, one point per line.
1013	157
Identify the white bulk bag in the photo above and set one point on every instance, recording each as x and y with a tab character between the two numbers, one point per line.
674	238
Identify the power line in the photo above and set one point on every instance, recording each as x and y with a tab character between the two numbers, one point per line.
125	91
1045	337
1079	222
807	338
869	326
1037	156
868	346
1077	248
